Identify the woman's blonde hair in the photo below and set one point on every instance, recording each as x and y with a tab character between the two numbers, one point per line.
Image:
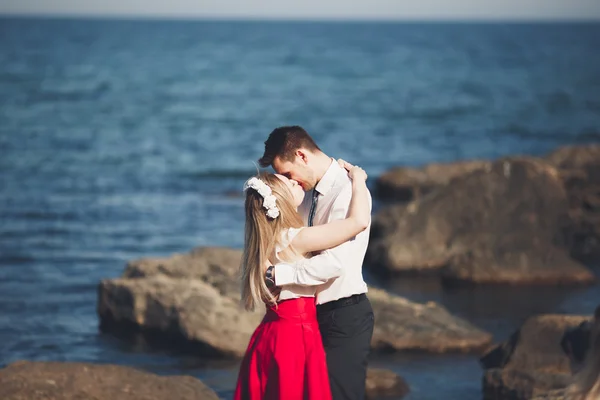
586	385
262	234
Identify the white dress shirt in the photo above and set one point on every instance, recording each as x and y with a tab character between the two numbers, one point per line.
337	271
292	291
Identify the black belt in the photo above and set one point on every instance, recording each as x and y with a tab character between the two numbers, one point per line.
343	302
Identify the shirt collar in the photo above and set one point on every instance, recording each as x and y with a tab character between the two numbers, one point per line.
328	179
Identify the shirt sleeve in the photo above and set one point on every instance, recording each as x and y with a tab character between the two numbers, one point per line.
327	265
312	271
289	236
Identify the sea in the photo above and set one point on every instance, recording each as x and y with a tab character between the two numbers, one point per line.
122	139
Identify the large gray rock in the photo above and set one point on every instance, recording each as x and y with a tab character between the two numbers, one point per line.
401	324
531	362
557	394
187	312
579	169
216	266
193	299
502	224
190	299
514	384
26	380
403	184
382	384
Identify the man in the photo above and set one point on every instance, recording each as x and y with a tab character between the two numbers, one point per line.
344	311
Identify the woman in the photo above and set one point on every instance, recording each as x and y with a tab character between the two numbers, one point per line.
285	358
586	385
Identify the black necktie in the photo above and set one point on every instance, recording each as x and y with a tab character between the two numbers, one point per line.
313	207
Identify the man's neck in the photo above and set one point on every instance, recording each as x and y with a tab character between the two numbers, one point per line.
322	164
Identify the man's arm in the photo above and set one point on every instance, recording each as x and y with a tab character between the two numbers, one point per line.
312	271
319	269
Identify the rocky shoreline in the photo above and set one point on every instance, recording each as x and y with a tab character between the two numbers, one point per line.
25	380
194	298
192	301
517	221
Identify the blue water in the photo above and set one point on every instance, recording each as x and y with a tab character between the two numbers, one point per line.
123	139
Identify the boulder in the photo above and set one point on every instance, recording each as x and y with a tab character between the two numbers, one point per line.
531	362
216	266
512	384
382	383
24	380
579	169
186	313
189	300
403	184
401	324
502	224
558	394
536	345
192	301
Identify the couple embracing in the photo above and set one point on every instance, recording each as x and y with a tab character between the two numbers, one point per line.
306	234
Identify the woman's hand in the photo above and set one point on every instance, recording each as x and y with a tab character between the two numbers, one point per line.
355	172
334	233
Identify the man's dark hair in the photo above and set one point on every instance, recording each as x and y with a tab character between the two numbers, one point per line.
283	143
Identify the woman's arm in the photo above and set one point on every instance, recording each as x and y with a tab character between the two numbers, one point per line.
334	233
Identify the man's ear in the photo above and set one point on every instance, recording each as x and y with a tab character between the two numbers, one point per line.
302	155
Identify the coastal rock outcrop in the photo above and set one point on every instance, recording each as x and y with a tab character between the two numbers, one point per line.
401	324
192	300
579	170
382	383
25	380
531	362
404	184
505	223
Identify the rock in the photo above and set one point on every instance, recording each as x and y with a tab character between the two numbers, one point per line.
511	384
531	361
187	300
559	394
579	169
403	325
26	380
184	312
217	266
192	301
536	345
503	224
405	184
383	383
582	157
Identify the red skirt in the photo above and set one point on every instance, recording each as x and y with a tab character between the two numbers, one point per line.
285	358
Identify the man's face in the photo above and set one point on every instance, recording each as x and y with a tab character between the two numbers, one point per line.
297	170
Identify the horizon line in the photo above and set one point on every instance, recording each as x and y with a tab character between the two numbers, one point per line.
281	18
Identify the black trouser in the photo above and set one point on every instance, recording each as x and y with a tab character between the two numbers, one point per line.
347	332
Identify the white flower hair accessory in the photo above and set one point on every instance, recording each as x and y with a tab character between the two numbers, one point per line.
269	200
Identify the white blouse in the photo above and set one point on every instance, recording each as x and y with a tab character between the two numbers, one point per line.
292	291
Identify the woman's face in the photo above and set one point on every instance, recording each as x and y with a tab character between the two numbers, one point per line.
295	189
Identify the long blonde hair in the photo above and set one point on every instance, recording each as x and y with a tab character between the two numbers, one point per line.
586	384
261	236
